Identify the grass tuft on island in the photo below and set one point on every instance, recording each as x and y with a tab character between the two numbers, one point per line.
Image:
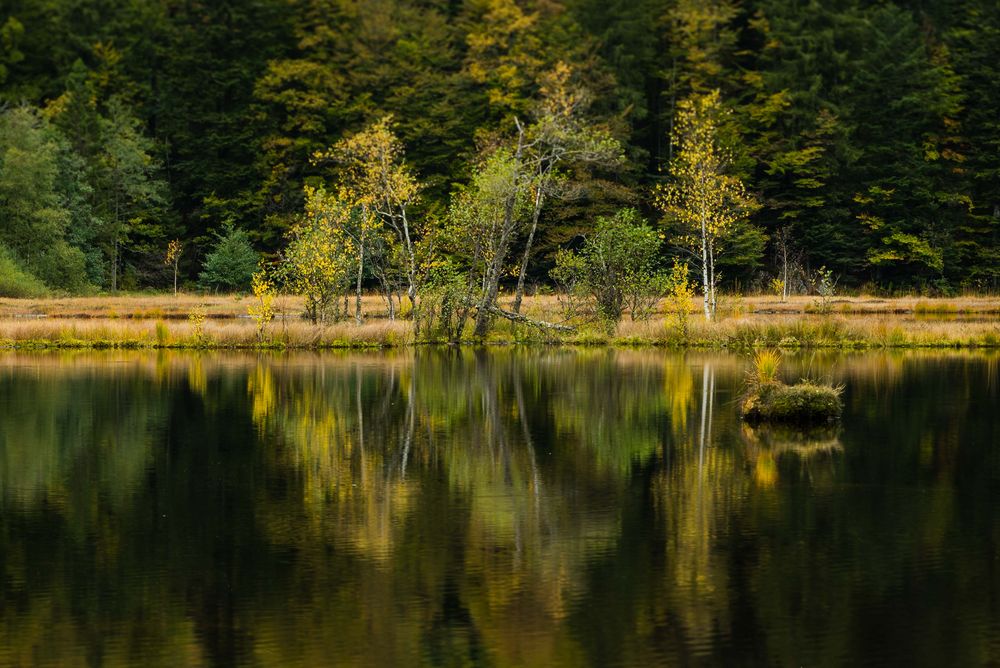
768	400
802	403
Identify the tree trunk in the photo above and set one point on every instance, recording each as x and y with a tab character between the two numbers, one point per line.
357	293
784	273
519	293
389	302
673	111
711	273
783	251
491	288
411	272
704	271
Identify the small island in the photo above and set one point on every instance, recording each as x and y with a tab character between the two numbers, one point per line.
768	399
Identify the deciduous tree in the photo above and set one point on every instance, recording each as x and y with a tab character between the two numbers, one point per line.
703	199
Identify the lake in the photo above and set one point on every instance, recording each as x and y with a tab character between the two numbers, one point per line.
538	507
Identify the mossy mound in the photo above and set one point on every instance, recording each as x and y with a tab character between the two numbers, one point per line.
805	403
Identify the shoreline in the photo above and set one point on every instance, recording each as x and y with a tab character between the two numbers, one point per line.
221	323
819	333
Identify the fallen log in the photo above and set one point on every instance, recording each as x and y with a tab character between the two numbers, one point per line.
524	320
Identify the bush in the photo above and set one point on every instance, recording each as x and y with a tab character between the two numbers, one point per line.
15	281
231	264
444	305
320	260
63	267
614	271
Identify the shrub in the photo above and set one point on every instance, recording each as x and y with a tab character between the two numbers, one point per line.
679	294
15	281
197	318
826	288
231	264
63	267
615	270
262	308
321	258
444	305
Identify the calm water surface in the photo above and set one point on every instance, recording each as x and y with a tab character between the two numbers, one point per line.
496	508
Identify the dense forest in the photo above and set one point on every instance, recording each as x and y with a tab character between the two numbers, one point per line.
861	137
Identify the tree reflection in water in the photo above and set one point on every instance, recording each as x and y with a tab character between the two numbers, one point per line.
540	507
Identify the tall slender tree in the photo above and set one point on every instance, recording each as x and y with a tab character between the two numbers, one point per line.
703	199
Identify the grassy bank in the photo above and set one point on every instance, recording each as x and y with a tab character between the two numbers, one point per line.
164	322
142	306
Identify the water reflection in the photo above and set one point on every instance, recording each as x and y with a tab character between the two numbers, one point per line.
446	506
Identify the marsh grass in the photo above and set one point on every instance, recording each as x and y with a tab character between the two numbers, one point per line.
937	308
120	322
766	399
803	403
71	333
764	367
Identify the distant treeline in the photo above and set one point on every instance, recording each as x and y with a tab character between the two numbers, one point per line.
866	132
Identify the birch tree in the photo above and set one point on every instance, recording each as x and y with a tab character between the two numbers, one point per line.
322	254
173	258
560	135
703	198
483	221
375	178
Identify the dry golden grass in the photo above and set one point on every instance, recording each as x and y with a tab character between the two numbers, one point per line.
802	304
226	333
155	307
140	321
166	306
840	331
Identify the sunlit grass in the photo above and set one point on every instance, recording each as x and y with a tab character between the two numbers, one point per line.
163	322
765	364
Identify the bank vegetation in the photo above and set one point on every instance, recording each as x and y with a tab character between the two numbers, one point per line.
223	322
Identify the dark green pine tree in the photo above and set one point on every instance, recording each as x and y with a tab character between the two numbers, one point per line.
354	62
202	106
860	152
631	39
795	125
974	40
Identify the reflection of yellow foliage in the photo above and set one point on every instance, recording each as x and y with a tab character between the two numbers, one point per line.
260	387
48	633
766	444
765	470
678	386
162	367
696	499
804	443
197	380
374	563
346	491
